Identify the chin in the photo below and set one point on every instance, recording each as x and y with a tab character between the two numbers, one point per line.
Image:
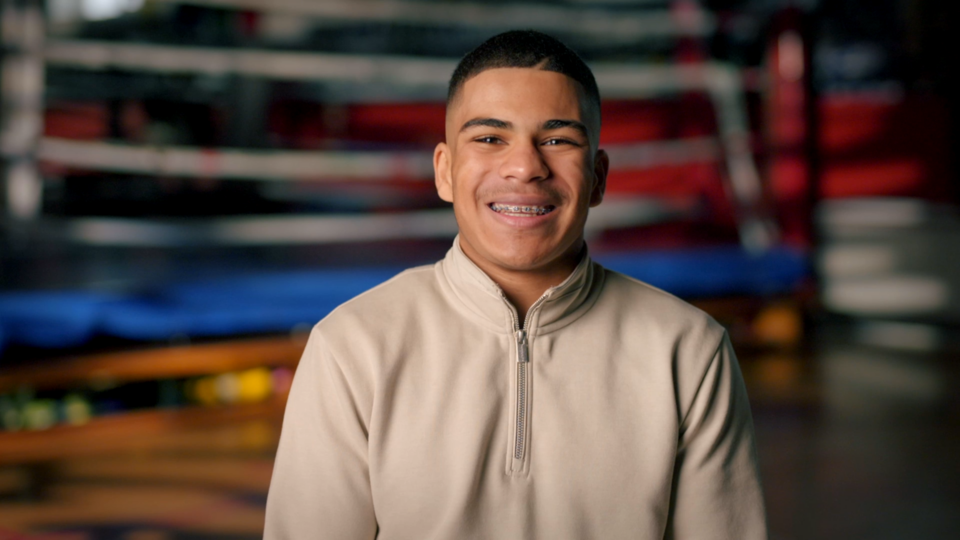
522	258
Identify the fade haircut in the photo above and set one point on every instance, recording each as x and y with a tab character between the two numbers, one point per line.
526	49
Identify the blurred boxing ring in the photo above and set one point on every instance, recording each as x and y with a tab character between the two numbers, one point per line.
82	361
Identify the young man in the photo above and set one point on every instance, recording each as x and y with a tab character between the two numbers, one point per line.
516	389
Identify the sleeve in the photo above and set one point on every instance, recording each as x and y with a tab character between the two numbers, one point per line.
716	485
320	486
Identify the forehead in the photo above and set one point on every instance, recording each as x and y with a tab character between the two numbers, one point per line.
526	92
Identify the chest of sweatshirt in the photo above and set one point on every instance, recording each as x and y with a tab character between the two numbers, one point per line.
436	390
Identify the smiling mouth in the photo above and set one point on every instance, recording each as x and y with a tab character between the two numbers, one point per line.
521	210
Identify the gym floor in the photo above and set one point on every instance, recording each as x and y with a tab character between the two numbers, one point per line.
856	441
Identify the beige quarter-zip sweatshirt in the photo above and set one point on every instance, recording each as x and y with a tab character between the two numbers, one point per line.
424	410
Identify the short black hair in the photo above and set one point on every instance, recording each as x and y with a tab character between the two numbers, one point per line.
525	49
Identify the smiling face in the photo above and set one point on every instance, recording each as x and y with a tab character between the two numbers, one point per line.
521	168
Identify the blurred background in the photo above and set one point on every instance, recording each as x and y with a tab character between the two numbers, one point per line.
187	186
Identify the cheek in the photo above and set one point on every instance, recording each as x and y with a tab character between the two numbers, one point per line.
579	181
467	179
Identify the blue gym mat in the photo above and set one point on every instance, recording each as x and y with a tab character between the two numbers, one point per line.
281	301
713	271
239	305
51	319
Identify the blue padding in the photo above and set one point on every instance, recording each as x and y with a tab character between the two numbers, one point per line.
279	302
51	319
714	271
338	285
238	305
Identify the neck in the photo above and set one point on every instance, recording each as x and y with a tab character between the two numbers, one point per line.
523	293
524	287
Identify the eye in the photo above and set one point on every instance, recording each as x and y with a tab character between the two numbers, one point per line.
559	141
488	139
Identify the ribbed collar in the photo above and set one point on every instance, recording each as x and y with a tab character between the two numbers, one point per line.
481	299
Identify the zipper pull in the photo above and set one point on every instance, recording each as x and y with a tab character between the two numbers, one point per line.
522	353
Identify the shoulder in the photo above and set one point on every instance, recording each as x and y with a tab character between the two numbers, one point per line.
642	299
386	301
361	330
656	316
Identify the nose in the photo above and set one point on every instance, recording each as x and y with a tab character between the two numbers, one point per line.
524	162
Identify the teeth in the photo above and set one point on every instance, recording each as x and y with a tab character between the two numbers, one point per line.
511	209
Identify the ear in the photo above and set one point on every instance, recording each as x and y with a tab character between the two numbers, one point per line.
601	165
442	175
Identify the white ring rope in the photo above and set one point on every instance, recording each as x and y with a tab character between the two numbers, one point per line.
631	25
329	229
722	82
316	166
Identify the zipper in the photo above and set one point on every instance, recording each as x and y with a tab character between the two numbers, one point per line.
523	359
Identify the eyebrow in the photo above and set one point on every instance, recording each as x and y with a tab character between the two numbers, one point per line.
560	124
548	125
486	122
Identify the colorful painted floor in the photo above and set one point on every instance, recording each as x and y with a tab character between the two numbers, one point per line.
855	442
